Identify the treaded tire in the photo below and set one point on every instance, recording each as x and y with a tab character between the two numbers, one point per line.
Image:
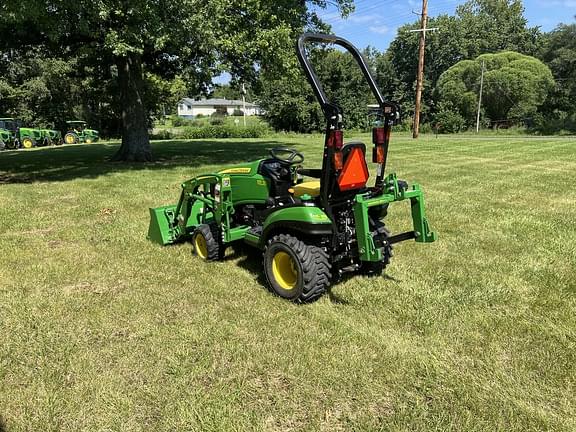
2	145
311	264
72	137
32	142
369	268
214	250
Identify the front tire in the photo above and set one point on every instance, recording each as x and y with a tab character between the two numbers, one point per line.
28	143
295	270
71	138
205	242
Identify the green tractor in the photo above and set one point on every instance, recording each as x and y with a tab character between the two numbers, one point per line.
310	232
51	137
5	137
21	137
77	133
9	133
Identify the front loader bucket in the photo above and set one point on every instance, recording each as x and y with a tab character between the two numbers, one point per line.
160	230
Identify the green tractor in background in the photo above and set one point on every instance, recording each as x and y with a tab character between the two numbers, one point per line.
77	133
5	138
310	232
51	137
13	136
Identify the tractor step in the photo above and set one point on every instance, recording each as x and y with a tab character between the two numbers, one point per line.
252	237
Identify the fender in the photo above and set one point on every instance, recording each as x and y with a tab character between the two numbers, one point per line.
311	221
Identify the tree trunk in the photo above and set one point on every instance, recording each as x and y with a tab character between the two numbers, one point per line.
135	145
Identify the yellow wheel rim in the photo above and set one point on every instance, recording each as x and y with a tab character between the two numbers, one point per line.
27	143
69	139
284	270
88	140
200	246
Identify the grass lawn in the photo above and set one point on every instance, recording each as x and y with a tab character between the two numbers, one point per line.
102	330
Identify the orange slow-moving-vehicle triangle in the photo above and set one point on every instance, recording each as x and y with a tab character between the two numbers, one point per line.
355	174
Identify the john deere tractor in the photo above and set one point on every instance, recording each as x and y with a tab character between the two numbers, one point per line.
5	137
77	133
19	136
310	231
51	137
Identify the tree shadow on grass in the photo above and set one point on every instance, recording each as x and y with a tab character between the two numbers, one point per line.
65	163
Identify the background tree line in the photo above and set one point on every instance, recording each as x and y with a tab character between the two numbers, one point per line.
529	75
122	64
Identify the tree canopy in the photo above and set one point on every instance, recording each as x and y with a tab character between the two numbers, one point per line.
124	40
122	64
559	52
515	85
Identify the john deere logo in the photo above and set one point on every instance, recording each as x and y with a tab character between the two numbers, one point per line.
319	216
236	171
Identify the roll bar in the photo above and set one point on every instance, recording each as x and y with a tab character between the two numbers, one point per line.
389	109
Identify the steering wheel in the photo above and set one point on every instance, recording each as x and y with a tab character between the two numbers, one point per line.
292	157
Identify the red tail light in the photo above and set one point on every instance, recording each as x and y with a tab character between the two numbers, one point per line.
338	160
336	139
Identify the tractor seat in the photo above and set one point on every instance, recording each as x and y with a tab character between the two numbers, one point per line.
311	188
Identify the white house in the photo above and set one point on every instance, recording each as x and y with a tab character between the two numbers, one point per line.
189	108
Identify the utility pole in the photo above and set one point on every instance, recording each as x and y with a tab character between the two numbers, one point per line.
244	102
480	99
420	76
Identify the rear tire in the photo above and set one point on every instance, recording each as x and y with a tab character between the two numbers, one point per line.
295	270
2	145
206	244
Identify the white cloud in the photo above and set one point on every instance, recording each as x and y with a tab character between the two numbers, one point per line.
381	29
558	3
361	19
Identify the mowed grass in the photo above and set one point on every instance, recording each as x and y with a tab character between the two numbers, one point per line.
102	330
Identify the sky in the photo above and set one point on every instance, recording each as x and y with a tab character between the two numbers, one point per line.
375	22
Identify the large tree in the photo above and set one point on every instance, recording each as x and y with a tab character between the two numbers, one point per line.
515	85
130	38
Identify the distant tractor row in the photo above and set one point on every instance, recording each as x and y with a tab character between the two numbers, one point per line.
13	136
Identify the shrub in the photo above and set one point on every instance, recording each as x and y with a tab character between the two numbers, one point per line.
448	121
217	120
199	116
238	112
162	135
226	131
179	121
405	125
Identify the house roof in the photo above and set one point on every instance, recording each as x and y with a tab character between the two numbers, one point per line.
216	102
